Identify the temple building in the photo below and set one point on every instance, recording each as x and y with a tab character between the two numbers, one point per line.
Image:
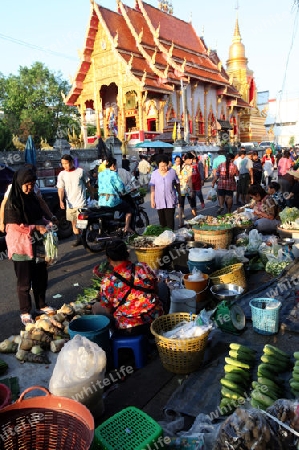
251	120
145	73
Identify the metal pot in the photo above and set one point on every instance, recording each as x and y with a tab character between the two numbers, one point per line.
226	291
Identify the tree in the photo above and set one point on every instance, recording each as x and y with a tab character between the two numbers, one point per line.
5	136
32	102
292	141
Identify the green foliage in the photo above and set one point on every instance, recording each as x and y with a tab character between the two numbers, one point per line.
91	130
5	136
292	141
32	103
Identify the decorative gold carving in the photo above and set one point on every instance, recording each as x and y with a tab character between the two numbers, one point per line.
140	36
183	66
154	56
219	66
17	143
166	71
171	49
115	39
157	31
143	77
130	62
44	144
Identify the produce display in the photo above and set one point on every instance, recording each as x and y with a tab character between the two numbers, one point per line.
269	387
144	242
276	267
225	222
289	218
237	377
153	230
294	381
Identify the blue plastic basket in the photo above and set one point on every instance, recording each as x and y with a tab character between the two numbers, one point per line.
265	315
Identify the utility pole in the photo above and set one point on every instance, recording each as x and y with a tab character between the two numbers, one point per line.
185	112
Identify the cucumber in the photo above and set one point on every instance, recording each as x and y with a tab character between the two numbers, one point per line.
241	348
235	362
227	406
271	384
275	351
236	378
231	385
296	355
295	375
264	389
262	398
225	392
241	356
264	370
228	368
294	385
269	367
257	404
273	361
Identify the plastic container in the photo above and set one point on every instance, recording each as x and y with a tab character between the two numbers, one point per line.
94	328
200	287
128	429
183	300
265	315
206	267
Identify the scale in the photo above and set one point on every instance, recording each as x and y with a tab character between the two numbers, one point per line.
229	316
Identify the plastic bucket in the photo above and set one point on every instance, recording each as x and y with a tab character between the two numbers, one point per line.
198	286
95	328
183	300
265	315
206	267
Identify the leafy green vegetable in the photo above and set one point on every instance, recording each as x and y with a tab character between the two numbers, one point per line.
154	230
275	268
289	215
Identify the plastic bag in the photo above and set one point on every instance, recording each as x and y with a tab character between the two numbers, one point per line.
51	246
201	254
165	238
255	240
79	372
196	275
212	195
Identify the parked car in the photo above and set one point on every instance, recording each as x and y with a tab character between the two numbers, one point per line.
266	144
50	195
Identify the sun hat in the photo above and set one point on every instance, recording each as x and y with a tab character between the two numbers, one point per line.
268	151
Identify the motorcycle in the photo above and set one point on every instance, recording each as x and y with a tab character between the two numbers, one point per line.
99	225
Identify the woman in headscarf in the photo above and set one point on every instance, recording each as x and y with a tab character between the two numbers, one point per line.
25	227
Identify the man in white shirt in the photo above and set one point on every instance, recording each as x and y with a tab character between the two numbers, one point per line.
144	168
72	183
244	165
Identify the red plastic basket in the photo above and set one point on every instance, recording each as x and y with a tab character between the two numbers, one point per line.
46	422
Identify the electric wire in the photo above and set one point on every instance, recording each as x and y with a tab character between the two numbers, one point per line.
36	47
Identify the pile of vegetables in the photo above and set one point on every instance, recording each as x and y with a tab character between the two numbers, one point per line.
237	377
154	230
294	381
269	387
289	218
225	222
276	267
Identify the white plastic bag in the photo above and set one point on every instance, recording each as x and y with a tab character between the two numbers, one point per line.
79	372
212	195
165	238
255	240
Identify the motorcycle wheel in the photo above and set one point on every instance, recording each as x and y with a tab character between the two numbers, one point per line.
141	222
90	242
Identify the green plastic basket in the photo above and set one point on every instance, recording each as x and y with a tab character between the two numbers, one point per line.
130	429
265	315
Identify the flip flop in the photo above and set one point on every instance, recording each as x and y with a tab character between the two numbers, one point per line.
26	318
46	310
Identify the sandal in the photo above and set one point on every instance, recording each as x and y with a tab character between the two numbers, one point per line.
26	318
46	310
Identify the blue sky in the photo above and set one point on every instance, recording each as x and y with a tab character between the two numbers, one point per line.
269	30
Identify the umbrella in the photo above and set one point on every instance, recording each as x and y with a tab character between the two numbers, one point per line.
30	151
154	144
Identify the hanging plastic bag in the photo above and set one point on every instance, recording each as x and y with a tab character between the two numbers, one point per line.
212	195
51	246
255	240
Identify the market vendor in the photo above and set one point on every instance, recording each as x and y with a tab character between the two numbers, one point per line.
264	209
129	295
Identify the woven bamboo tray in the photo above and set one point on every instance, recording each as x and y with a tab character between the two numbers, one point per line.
181	356
215	238
234	274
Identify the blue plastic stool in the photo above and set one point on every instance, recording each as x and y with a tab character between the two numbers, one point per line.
137	343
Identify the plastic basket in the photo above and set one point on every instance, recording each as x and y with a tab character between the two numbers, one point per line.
216	238
265	315
46	423
234	274
151	256
130	429
181	356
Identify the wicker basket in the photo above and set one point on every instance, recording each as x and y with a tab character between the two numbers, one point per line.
234	274
215	238
151	255
180	356
46	423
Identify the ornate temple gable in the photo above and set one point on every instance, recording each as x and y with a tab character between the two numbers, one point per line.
179	52
138	39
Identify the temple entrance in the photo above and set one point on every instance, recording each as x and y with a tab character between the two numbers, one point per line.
130	123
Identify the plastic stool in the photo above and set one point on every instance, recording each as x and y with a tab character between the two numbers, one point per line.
137	343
